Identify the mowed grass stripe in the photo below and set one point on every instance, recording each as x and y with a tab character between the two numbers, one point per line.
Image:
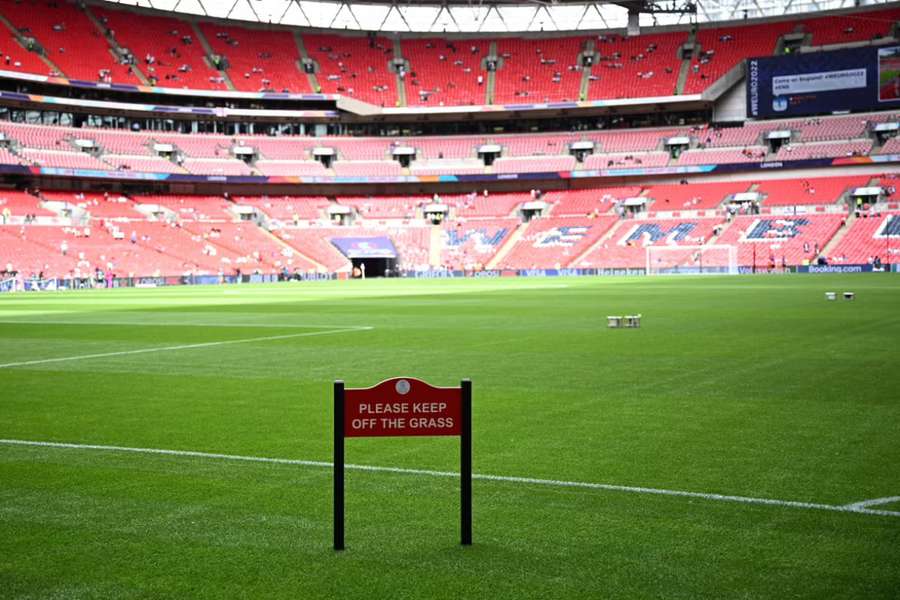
179	347
862	507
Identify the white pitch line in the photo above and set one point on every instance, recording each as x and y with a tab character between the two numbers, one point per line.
857	508
177	324
267	338
865	504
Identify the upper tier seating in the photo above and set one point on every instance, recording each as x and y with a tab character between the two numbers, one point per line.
70	40
165	48
199	146
634	67
13	56
40	136
823	150
354	66
290	167
259	59
118	142
722	48
535	164
8	158
445	72
627	160
532	70
722	155
447	167
65	160
217	166
367	168
841	29
149	164
536	70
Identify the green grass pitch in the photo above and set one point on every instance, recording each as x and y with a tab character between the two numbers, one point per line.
744	386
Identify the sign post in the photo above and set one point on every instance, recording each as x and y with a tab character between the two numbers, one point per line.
404	406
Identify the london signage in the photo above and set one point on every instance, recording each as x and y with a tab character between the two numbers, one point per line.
404	406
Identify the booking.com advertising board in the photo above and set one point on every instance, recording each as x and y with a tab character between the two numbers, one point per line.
824	82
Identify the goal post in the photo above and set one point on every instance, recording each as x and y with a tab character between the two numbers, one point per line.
692	260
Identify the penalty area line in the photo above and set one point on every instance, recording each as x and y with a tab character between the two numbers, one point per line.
856	508
267	338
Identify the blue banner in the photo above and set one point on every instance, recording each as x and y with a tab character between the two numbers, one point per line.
366	247
824	82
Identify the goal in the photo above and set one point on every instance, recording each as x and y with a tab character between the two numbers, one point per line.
692	260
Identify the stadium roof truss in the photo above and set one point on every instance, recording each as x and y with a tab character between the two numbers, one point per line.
495	16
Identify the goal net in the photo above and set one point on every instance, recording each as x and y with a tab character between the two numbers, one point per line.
691	260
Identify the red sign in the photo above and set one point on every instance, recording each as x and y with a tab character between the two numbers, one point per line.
400	407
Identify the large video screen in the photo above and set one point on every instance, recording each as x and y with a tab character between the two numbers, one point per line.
823	82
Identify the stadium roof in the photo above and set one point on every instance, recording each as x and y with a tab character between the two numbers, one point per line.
472	16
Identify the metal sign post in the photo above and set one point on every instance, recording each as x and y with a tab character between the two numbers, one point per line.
404	406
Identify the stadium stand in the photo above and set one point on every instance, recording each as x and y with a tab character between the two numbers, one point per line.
555	242
696	196
872	235
798	239
165	48
471	244
475	205
13	56
817	190
627	159
400	207
367	168
65	160
316	245
627	245
440	71
258	59
354	66
587	202
522	164
713	156
98	206
217	166
290	167
536	70
444	72
70	40
19	204
634	67
288	209
823	150
150	164
192	208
